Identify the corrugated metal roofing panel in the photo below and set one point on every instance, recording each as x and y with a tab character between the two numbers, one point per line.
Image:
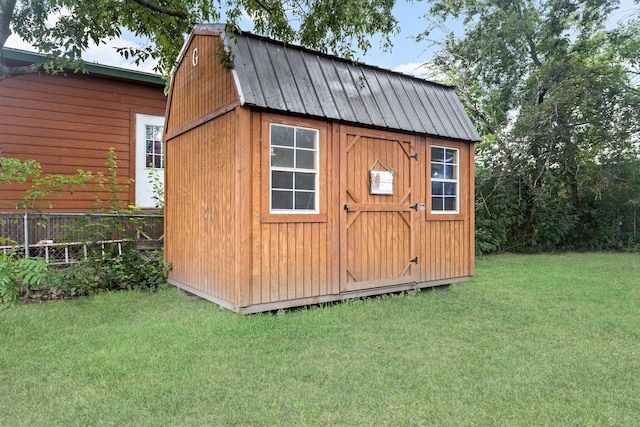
286	78
431	105
337	90
321	88
366	95
304	83
289	78
266	75
408	109
245	73
418	104
388	117
351	87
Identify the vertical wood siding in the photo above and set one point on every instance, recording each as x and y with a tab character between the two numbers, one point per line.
290	260
68	122
379	231
200	213
199	90
448	240
295	262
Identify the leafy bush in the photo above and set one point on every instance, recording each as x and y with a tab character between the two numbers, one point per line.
33	279
20	276
114	272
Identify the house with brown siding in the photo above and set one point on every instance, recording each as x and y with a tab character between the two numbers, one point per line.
295	177
69	121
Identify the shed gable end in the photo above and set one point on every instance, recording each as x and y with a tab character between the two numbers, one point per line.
201	84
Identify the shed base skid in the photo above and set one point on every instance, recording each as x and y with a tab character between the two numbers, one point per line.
300	302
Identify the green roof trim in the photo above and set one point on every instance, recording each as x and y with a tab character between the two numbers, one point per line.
92	68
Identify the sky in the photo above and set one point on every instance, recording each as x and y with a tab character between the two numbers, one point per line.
407	55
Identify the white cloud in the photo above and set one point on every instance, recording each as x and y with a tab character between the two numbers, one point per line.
18	43
424	70
104	54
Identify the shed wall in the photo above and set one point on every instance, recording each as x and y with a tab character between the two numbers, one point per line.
201	210
448	246
293	256
68	122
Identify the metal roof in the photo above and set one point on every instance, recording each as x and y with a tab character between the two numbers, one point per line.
292	79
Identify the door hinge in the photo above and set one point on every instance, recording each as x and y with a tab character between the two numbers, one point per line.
414	156
346	207
414	207
415	260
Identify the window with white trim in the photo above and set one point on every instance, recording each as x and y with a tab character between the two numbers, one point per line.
445	180
294	173
149	160
154	147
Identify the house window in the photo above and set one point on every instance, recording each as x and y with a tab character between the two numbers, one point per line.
445	180
293	169
154	148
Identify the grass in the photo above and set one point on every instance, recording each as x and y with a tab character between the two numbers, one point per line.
532	340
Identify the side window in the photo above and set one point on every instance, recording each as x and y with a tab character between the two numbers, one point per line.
294	169
154	149
445	180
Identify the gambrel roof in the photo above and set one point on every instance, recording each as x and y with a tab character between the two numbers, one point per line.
291	79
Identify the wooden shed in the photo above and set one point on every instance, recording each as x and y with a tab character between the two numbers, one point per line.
69	121
294	177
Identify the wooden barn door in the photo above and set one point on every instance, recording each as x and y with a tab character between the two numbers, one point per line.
378	232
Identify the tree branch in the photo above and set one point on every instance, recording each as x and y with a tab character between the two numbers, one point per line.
264	6
161	9
533	52
7	72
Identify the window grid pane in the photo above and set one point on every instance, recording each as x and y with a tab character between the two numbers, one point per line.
294	168
154	147
444	180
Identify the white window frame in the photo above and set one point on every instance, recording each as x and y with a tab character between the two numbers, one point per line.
143	185
456	180
294	170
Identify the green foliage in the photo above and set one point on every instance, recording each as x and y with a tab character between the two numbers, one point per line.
34	279
41	187
36	196
109	185
552	91
20	276
31	278
157	186
12	170
113	272
327	25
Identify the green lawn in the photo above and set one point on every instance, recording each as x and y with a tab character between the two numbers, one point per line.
532	340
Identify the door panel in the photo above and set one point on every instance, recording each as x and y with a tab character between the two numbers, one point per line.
378	231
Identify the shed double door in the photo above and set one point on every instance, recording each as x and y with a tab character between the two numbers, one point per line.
378	232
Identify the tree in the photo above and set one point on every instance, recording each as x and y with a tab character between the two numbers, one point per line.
552	90
327	25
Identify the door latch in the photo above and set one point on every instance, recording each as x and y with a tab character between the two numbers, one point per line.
346	207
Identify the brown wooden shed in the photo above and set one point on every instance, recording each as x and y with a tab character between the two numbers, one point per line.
294	177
